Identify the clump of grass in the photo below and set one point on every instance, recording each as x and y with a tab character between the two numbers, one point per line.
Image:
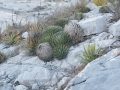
33	39
79	16
90	53
100	2
11	38
38	8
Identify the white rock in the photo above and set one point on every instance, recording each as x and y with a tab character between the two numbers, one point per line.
36	75
94	25
26	60
115	29
9	52
35	87
63	81
21	87
92	6
6	86
25	35
102	36
101	74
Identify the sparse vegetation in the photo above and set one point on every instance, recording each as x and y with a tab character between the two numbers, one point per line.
115	9
61	22
100	2
38	8
104	9
79	16
33	39
11	38
90	53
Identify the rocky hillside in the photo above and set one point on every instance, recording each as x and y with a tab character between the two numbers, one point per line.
59	45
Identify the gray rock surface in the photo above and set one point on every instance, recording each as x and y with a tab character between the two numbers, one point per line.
100	74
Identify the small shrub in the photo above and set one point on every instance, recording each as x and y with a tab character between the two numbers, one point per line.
85	9
61	22
115	9
81	6
100	2
38	8
79	16
2	57
67	12
11	38
33	39
104	9
90	53
60	51
61	38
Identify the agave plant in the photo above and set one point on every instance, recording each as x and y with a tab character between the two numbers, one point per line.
51	30
60	51
90	53
11	38
61	38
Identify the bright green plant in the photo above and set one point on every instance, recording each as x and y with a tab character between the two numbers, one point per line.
11	38
61	22
51	30
79	16
2	57
60	51
90	53
38	8
61	38
85	9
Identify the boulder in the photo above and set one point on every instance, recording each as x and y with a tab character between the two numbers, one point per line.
45	51
25	35
93	25
115	29
36	75
100	74
21	87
